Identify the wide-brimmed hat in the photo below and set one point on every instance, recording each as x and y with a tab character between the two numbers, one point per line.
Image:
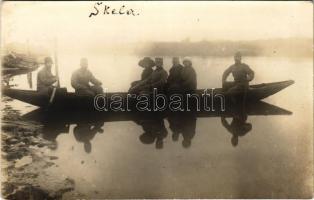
147	138
147	61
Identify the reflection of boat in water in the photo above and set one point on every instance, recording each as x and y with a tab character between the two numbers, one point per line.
70	101
256	108
154	131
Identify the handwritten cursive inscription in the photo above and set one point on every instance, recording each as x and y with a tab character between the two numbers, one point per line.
102	9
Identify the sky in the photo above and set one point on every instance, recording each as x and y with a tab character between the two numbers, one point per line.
70	23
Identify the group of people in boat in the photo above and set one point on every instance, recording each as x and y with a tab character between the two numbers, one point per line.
182	78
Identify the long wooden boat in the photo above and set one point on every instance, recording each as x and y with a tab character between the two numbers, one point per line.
64	100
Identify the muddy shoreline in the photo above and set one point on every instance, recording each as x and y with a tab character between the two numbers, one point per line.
28	171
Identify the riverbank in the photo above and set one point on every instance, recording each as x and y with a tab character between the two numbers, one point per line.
28	171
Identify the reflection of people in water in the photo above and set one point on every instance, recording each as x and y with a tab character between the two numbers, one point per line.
154	132
51	131
185	125
85	132
238	127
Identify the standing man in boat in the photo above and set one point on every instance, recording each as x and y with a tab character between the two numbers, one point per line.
45	79
189	79
82	78
241	72
175	76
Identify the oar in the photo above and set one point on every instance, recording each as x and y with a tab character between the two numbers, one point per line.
29	74
53	94
56	64
30	79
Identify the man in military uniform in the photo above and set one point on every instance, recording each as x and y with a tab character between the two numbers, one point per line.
241	72
159	76
189	79
137	86
45	79
175	76
82	78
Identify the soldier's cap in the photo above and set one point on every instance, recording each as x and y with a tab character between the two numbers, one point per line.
159	59
238	54
146	61
83	60
48	60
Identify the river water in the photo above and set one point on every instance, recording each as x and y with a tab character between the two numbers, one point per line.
114	159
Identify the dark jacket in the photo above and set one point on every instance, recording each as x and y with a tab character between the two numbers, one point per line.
189	79
158	78
45	79
146	73
175	75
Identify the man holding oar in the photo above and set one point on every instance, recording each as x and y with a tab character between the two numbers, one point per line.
45	79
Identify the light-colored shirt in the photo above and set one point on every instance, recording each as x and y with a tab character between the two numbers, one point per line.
81	78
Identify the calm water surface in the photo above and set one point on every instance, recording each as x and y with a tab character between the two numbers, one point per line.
110	160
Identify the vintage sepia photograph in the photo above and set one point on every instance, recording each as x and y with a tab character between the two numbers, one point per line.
156	100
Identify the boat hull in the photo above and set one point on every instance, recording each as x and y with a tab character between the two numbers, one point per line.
64	100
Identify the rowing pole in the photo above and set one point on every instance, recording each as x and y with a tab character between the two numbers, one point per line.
56	72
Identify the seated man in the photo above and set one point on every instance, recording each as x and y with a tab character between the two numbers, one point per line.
175	76
157	79
147	63
159	76
241	72
189	80
82	78
45	79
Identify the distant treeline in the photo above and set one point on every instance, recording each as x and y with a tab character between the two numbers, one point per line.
292	47
274	47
